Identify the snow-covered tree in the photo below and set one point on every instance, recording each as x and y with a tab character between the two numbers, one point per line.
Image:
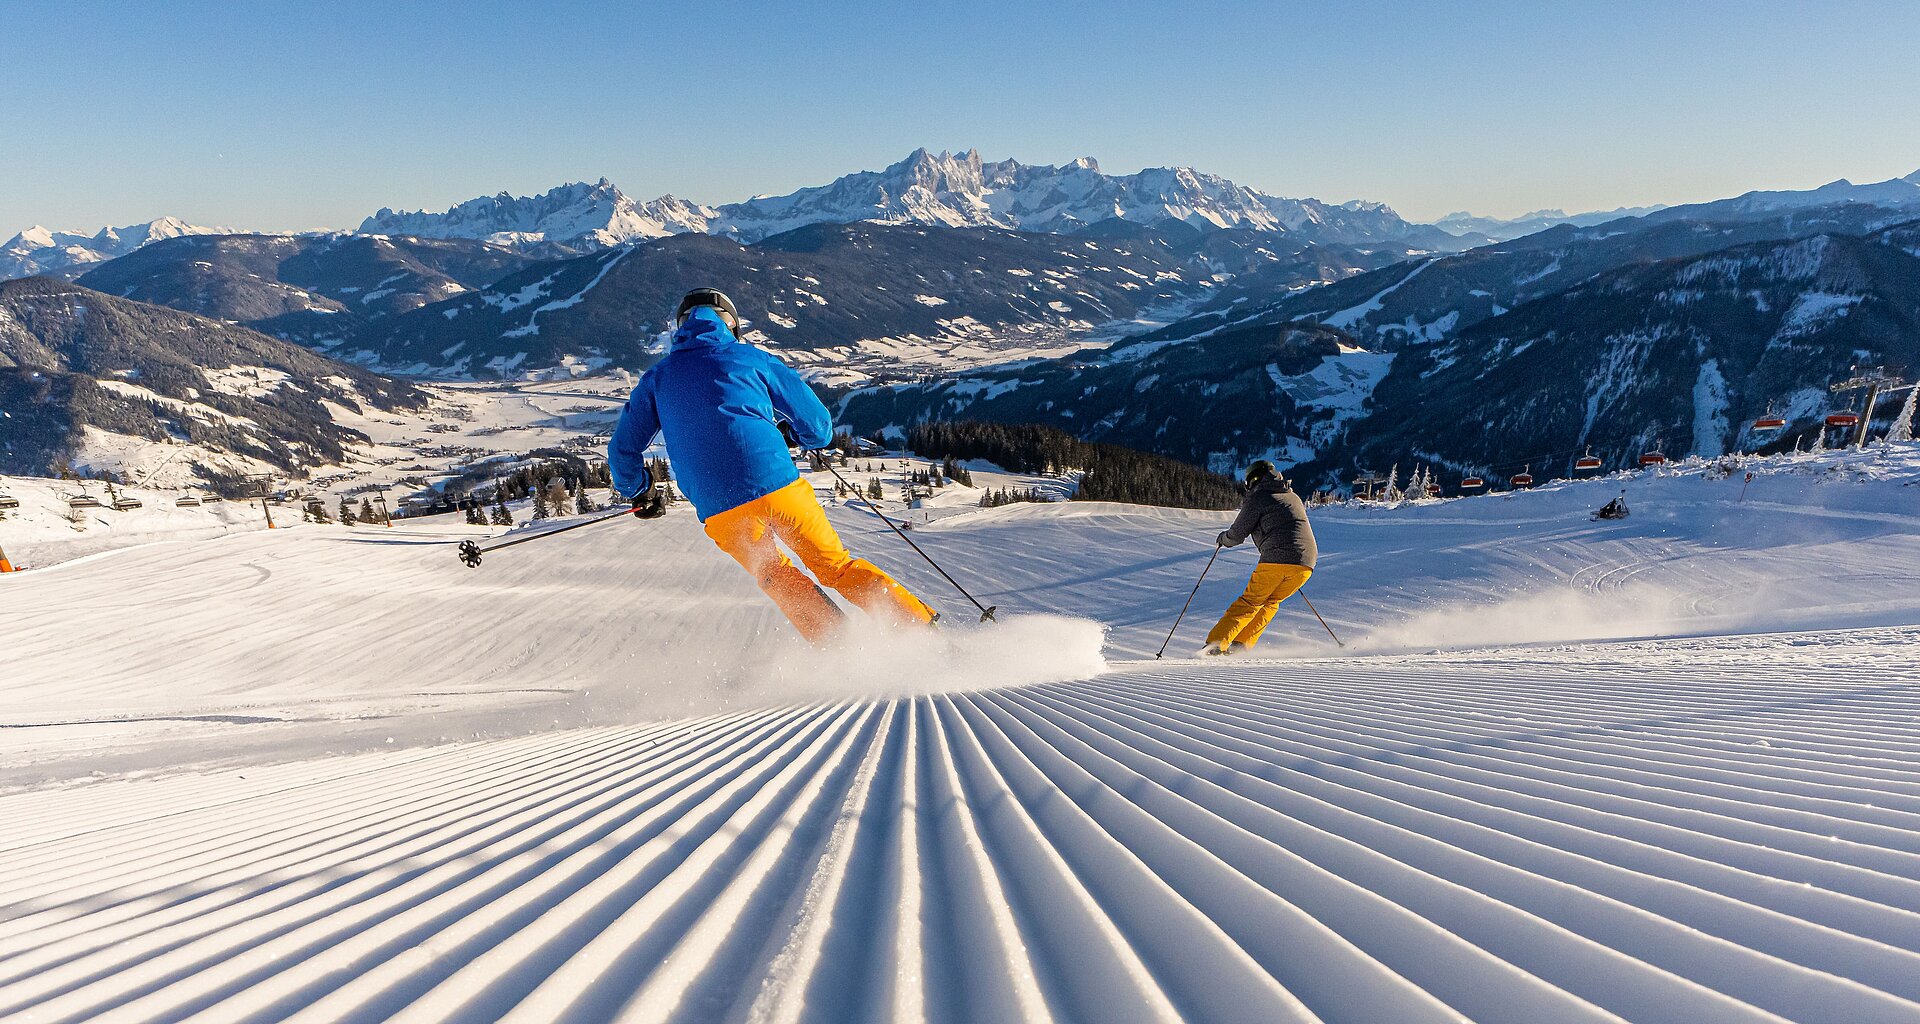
366	511
501	516
1902	428
347	518
540	510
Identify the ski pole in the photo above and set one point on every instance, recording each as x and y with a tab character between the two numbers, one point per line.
470	552
1189	604
1323	622
986	613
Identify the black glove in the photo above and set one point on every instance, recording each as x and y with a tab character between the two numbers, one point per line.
1225	540
650	504
786	431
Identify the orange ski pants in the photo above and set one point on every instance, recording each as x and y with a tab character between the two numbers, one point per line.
793	516
1247	617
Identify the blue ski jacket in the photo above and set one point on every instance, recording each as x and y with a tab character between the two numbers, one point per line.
720	401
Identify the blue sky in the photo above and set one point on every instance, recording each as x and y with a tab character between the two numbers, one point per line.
285	116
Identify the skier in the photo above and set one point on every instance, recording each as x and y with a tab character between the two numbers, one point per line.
726	407
1615	509
1276	519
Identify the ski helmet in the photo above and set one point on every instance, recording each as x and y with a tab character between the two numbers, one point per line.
708	297
1261	470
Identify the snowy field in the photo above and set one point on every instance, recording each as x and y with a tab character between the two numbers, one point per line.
1662	769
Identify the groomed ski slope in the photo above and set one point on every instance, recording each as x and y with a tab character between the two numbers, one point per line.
345	778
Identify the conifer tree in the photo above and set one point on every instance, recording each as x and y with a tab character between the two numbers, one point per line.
540	510
1902	428
366	510
347	517
501	516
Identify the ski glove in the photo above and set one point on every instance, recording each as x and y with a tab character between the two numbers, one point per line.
1225	540
649	504
786	431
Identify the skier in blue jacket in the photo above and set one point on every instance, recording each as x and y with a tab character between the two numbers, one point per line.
722	404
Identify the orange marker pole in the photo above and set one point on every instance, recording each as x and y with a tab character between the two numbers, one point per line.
6	566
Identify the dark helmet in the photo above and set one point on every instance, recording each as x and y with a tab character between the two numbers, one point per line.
708	297
1262	470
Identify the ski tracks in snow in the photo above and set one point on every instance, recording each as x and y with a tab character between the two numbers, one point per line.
1410	839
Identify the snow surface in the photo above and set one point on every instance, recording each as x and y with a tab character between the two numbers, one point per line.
1661	769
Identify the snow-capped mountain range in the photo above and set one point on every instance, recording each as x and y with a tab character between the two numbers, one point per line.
40	250
943	190
578	215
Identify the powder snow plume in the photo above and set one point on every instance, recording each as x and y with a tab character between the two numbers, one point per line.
868	661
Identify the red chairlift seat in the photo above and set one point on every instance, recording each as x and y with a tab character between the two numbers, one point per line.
1653	459
1585	463
1843	419
1472	483
1524	478
1769	423
1433	490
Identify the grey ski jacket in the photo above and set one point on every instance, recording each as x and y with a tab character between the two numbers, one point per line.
1276	519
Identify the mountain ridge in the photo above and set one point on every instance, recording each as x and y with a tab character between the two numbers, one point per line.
944	189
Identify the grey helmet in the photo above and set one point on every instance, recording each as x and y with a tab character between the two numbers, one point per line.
708	297
1262	470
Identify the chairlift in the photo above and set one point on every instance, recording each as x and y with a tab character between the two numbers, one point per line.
1843	419
1472	483
186	501
1770	422
1433	490
8	501
1524	478
1653	459
1587	463
85	501
211	499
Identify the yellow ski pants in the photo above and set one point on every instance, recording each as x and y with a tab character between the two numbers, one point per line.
793	516
1247	617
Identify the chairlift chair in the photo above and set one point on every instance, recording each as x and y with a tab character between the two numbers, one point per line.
1587	463
8	501
1472	483
1524	478
186	501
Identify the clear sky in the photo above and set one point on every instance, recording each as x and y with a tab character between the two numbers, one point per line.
276	115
